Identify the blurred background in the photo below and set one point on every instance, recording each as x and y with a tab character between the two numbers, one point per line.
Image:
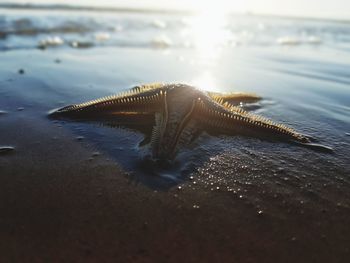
325	9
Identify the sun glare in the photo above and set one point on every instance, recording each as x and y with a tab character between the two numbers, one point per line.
209	34
205	81
207	28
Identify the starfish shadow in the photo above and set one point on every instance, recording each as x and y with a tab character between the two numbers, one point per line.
127	144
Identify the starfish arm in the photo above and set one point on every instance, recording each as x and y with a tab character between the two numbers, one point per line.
139	100
225	118
234	98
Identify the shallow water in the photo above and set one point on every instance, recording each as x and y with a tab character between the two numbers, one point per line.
299	67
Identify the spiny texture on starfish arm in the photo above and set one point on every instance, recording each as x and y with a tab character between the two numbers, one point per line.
181	112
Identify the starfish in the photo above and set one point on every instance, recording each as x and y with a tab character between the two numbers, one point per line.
178	113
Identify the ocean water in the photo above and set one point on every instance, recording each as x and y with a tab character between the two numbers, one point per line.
26	27
52	57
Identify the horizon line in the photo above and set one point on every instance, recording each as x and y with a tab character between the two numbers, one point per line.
152	10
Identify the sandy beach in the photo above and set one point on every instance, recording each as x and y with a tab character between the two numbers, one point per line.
75	192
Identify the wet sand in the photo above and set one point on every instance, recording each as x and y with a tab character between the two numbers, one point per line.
60	201
61	204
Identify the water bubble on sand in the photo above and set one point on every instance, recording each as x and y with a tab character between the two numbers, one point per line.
6	149
179	188
196	206
51	42
260	212
102	36
288	41
161	42
94	154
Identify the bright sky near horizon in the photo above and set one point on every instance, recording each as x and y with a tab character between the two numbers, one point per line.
312	8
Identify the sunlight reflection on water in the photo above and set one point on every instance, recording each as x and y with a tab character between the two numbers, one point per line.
206	81
209	33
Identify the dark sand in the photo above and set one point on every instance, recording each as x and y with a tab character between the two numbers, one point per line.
69	207
59	203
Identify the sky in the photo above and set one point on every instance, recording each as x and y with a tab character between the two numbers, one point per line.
309	8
